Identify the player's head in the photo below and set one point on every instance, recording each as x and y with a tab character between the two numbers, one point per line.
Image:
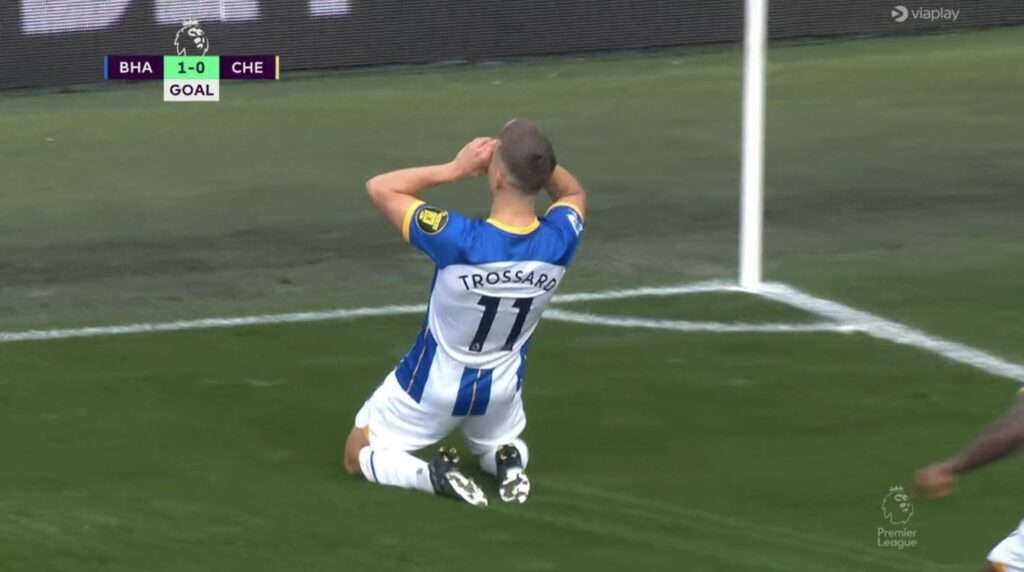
524	160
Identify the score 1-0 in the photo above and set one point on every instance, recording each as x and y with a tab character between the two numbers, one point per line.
191	78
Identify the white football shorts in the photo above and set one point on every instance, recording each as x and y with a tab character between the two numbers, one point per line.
1008	555
486	405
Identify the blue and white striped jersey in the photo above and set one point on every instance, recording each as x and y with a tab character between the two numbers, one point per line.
491	285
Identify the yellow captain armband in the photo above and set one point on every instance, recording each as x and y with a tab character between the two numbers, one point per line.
407	219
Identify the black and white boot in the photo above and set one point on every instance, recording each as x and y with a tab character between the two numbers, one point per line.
513	484
449	481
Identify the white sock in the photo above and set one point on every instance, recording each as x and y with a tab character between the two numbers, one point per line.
395	468
490	465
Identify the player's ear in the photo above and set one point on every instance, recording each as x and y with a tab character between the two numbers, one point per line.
496	175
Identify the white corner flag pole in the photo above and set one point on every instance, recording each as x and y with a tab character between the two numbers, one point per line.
752	184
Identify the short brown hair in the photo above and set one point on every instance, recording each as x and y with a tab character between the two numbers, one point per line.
527	155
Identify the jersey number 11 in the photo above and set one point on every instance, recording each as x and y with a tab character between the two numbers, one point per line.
490	305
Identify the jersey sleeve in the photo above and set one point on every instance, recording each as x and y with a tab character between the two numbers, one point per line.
442	235
568	222
567	219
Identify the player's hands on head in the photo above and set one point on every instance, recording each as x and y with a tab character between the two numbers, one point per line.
935	481
474	158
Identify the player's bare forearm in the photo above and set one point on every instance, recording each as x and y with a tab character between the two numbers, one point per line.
394	193
411	181
563	187
1004	437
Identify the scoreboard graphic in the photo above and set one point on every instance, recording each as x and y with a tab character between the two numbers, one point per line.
191	75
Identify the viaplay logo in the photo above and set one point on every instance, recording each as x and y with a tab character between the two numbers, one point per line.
901	13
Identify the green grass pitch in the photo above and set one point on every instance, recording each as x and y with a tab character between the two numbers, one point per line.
893	184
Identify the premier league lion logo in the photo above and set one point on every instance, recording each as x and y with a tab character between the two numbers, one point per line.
191	40
896	506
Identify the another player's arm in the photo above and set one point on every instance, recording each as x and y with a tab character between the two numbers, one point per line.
565	189
396	193
1001	439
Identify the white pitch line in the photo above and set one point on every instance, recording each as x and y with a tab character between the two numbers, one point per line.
340	314
881	328
846	319
694	288
686	326
207	323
